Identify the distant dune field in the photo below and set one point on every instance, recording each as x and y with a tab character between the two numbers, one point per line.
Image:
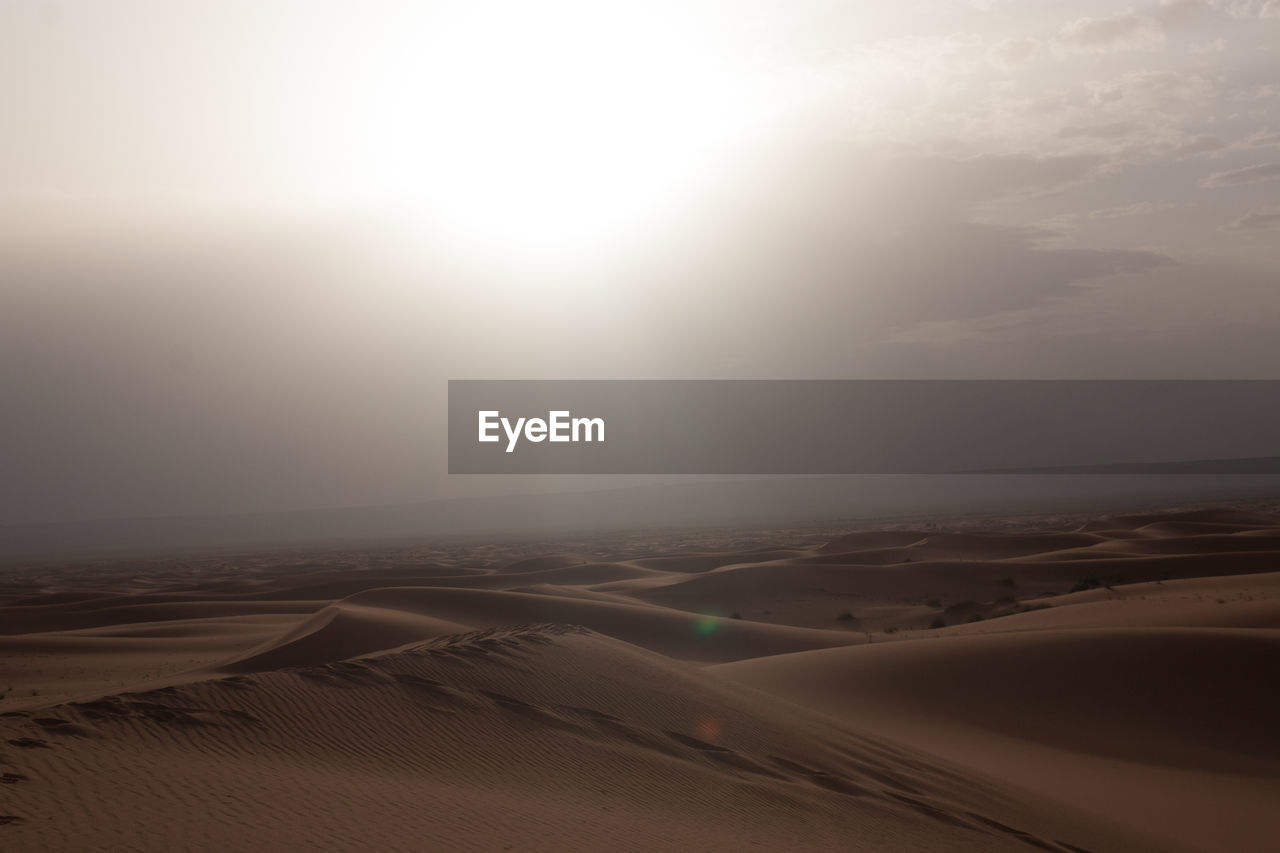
1062	684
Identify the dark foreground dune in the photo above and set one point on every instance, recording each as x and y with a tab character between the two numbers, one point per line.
1065	685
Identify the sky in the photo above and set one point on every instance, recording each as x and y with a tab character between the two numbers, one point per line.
244	245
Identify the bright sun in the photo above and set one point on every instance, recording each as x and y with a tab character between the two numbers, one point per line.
554	126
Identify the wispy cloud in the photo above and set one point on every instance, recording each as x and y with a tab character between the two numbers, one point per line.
1009	53
1110	130
1255	220
1247	175
1142	208
1262	139
1203	144
1127	30
1264	9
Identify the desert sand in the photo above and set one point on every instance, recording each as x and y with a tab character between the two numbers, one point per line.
1051	683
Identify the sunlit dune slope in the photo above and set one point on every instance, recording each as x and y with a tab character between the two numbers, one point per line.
535	738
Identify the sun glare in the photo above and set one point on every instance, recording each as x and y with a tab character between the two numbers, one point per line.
554	126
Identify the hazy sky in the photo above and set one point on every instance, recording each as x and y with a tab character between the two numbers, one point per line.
243	244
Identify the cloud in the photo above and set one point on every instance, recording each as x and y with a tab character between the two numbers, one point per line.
1262	139
1159	323
1202	144
1012	52
1110	130
1142	208
1261	9
1143	92
1127	30
1187	15
1247	175
1255	220
955	270
1218	45
900	242
1256	92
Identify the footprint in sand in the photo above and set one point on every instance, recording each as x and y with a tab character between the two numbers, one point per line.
530	712
930	810
59	726
498	645
322	676
693	742
886	778
53	724
721	755
589	713
821	778
159	691
237	714
1025	837
537	638
29	743
612	726
428	686
425	690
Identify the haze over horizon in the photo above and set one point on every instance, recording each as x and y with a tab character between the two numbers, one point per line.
242	248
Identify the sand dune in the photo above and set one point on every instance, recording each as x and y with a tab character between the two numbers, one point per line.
1059	684
20	620
1173	728
676	633
1044	686
534	738
341	631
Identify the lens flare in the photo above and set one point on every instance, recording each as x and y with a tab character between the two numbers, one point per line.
709	728
705	625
